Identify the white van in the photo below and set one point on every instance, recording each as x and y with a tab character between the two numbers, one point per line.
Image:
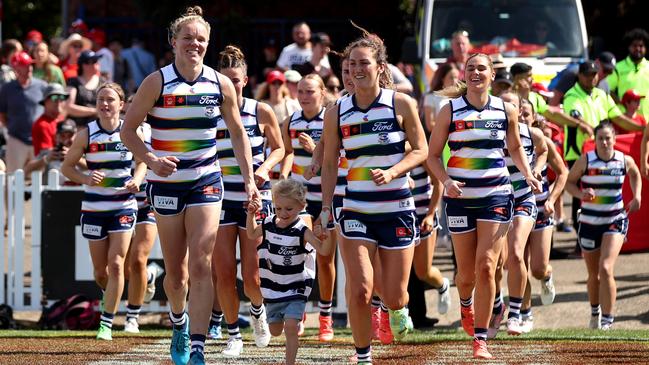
546	34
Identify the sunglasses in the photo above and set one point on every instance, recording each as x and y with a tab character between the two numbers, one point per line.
76	45
58	98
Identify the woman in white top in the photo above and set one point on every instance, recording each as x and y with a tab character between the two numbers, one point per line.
447	75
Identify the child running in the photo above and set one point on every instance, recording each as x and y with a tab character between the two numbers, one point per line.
286	260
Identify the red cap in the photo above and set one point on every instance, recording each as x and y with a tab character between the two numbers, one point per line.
98	36
631	95
34	36
21	59
275	76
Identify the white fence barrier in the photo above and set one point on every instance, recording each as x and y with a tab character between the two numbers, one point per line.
25	292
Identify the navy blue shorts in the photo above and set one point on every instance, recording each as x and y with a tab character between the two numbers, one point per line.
396	233
543	221
145	216
337	208
590	235
97	226
526	208
461	219
436	225
313	209
232	216
166	201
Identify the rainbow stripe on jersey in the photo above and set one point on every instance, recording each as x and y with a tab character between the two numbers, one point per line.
313	127
233	185
107	154
522	190
477	139
373	139
606	179
183	124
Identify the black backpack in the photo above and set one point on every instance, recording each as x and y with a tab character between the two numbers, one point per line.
6	317
74	313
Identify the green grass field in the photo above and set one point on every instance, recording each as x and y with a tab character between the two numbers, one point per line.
439	346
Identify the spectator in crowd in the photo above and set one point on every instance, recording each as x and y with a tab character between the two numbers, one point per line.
140	61
44	128
320	48
447	75
266	63
106	61
83	89
44	68
631	102
522	74
568	78
69	51
274	93
19	107
332	83
502	83
400	81
121	73
292	79
633	71
33	38
300	51
9	47
52	157
460	46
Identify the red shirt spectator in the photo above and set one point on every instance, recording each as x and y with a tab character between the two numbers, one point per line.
44	128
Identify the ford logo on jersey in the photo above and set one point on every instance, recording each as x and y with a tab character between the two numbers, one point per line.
381	126
208	100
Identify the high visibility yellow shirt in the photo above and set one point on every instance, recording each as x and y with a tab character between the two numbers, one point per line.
627	75
592	108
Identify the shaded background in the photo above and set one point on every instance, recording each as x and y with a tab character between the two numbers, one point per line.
252	24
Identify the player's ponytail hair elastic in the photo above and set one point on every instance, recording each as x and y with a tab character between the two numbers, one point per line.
232	57
191	14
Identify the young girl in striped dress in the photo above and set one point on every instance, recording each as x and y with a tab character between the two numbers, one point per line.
286	260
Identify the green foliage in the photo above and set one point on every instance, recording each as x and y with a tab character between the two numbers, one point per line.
21	16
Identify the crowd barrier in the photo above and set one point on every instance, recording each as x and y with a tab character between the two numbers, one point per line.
60	259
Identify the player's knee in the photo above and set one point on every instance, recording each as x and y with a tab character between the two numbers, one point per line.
606	270
361	294
486	269
115	268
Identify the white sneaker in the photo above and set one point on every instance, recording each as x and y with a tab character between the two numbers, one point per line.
260	330
444	299
527	324
607	327
154	270
233	347
547	291
595	322
131	326
514	326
